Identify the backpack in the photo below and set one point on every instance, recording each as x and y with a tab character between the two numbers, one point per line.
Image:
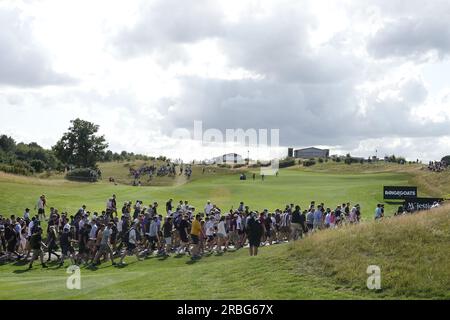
127	235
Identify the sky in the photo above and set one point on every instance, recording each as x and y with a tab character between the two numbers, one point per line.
350	75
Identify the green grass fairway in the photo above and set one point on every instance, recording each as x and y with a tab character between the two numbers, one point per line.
283	271
225	190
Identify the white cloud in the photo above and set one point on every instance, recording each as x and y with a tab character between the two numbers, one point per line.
344	74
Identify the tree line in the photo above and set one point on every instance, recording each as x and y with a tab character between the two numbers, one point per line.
79	148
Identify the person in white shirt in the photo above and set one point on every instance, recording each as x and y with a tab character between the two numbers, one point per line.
30	227
209	231
41	203
222	239
93	235
82	222
208	207
131	245
26	215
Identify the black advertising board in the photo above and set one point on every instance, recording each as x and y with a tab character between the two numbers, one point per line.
399	192
417	204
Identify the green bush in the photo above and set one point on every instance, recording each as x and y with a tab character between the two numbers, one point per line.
224	165
289	162
82	174
239	165
309	163
38	165
17	167
320	160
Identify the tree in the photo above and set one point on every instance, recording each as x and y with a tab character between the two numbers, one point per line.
446	159
7	144
108	156
80	146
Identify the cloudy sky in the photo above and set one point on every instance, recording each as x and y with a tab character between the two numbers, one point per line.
356	76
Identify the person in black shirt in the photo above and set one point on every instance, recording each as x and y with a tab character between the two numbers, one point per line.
183	232
169	206
83	239
297	223
167	235
255	231
66	246
51	243
36	245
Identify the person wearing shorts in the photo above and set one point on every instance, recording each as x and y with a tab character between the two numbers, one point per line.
41	207
182	229
221	234
131	245
104	246
36	245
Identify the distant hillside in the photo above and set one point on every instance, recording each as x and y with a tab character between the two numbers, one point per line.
120	171
433	183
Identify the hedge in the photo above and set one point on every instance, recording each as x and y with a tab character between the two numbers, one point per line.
82	174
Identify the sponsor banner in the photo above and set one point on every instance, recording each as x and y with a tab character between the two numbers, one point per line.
417	204
399	192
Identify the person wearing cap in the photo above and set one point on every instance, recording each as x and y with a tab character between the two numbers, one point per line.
36	245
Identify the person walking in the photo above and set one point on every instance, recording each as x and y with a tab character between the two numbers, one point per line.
196	230
296	224
255	231
36	245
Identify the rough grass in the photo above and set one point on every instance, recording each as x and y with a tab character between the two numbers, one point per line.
413	253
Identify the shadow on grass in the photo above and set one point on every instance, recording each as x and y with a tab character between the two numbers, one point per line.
162	258
191	261
20	271
20	263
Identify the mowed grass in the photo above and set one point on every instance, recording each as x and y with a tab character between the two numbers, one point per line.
412	251
225	190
